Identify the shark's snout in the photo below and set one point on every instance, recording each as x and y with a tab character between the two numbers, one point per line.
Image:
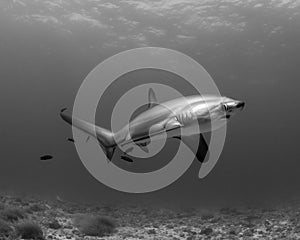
232	106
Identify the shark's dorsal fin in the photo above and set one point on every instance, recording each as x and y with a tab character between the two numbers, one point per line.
152	100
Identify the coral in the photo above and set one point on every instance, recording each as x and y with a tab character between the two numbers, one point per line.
54	224
5	229
29	230
94	225
35	208
12	214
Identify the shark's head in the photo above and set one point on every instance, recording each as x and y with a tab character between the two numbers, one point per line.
231	106
217	109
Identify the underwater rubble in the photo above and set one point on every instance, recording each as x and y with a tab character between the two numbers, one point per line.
34	218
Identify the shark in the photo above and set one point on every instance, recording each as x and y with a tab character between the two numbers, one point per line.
185	118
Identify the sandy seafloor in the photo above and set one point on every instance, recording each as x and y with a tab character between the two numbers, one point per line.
280	221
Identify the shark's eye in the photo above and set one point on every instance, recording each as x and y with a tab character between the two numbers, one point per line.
225	107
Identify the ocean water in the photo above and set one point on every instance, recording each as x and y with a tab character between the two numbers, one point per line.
250	48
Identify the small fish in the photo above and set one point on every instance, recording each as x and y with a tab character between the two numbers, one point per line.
88	138
71	140
59	199
47	206
46	157
127	159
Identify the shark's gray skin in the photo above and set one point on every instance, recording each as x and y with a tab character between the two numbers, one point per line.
183	118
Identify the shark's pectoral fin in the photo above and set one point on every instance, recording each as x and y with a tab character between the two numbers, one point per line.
152	100
200	150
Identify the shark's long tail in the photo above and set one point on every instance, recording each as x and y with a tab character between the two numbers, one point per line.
104	136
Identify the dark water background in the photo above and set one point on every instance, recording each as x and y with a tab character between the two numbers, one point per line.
41	71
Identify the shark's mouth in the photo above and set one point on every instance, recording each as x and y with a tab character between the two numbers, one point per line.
227	116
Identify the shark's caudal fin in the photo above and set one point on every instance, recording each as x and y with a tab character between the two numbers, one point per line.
104	136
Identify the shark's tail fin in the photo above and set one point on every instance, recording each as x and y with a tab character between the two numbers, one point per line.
104	136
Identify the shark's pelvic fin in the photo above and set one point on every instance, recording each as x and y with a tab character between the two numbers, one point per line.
200	150
152	100
144	146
